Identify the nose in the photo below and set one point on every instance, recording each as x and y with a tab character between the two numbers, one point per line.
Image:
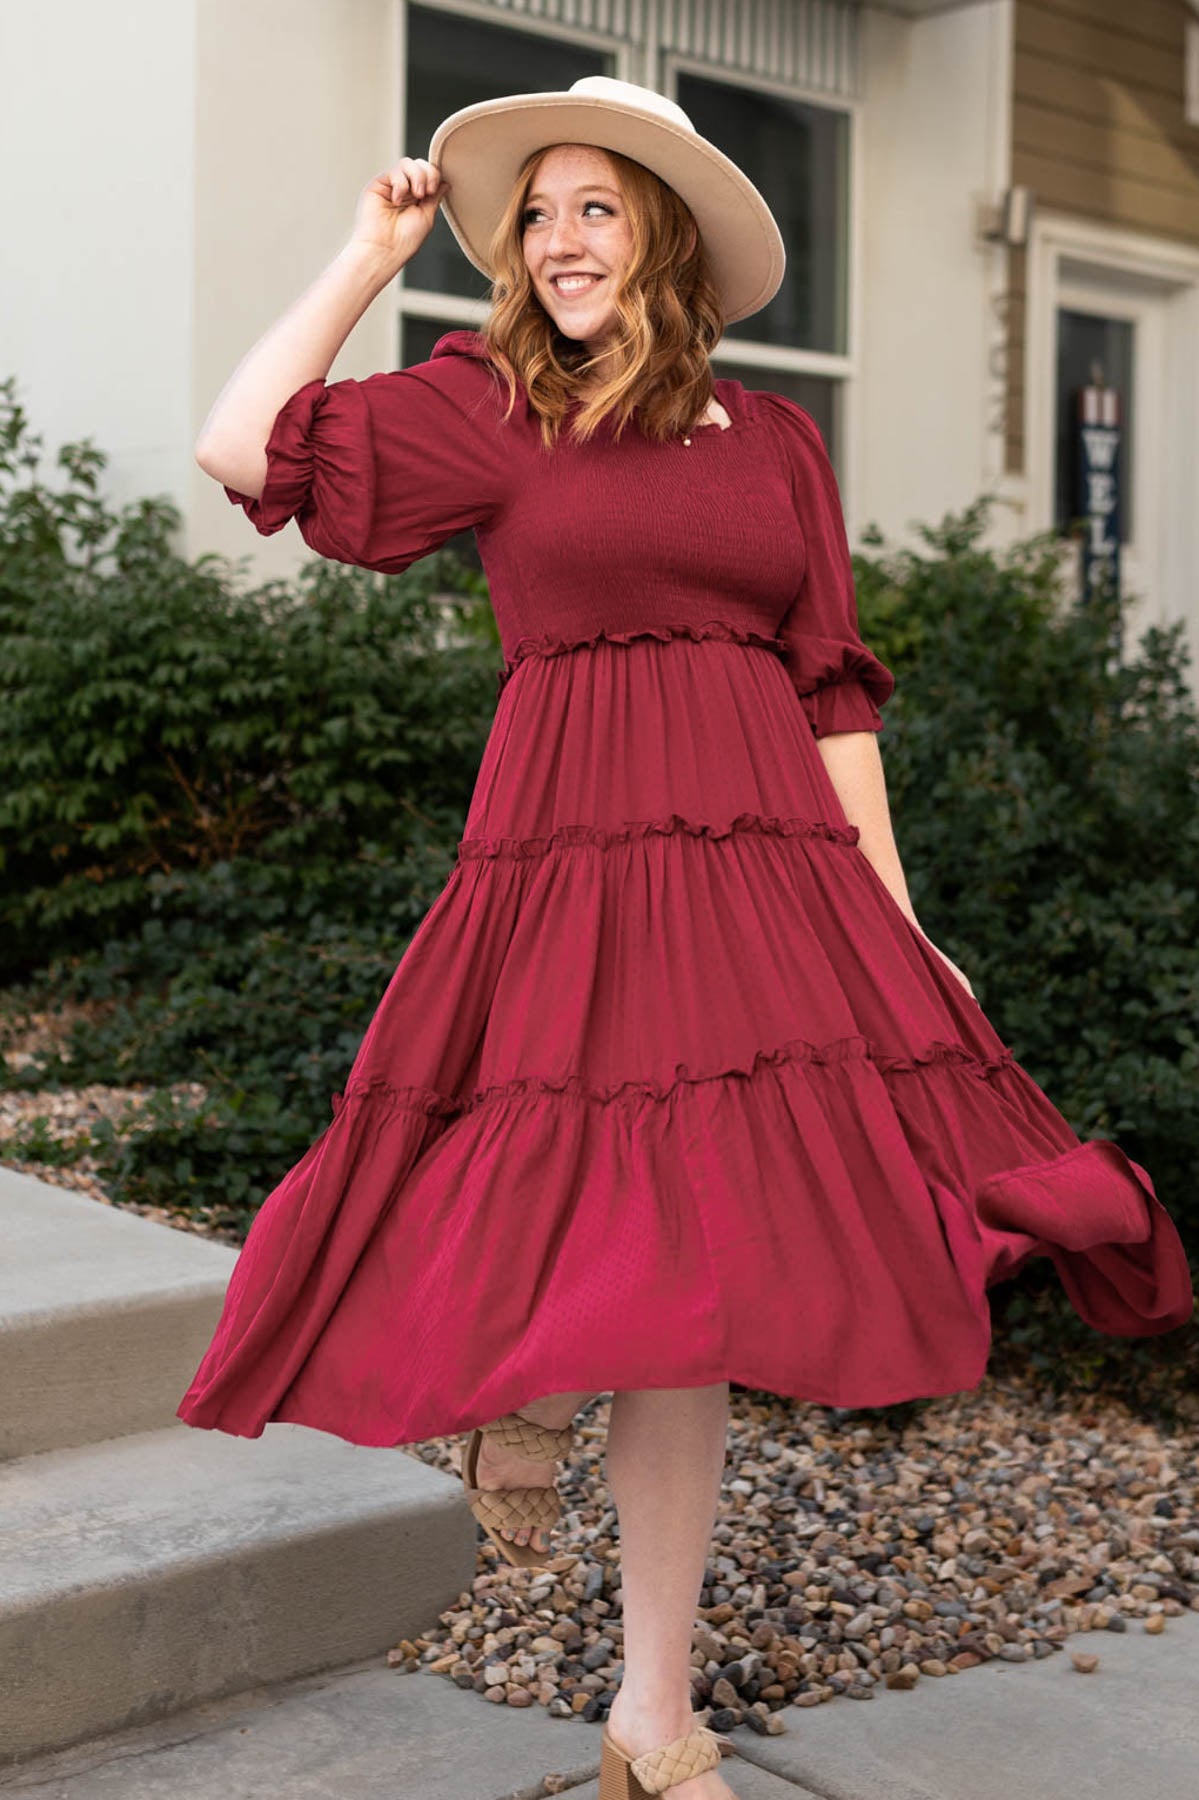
563	239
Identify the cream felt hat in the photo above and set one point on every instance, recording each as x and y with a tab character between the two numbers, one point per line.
480	148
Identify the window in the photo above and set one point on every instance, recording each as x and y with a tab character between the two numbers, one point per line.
1092	351
454	61
797	156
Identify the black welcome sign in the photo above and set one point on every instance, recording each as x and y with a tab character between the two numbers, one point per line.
1099	486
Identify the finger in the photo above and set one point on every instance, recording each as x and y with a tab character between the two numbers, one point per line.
400	177
429	175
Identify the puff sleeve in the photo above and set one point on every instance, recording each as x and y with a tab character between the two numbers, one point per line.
382	471
840	682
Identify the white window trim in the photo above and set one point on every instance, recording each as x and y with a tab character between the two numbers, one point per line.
779	356
1169	562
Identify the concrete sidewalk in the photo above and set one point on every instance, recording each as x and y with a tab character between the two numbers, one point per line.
1039	1731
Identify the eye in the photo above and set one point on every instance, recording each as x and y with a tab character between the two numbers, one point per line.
527	215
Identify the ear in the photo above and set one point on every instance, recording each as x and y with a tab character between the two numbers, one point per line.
691	238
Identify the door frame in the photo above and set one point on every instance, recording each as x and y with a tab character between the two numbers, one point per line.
1155	281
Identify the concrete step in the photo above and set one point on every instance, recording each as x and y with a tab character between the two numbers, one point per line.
146	1574
104	1316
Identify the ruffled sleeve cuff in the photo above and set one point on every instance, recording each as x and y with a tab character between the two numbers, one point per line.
380	472
841	686
290	462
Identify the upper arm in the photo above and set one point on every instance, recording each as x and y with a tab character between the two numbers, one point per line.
380	472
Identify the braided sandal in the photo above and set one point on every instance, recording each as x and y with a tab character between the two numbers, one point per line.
625	1777
510	1508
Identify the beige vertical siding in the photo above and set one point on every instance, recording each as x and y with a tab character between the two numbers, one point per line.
1098	130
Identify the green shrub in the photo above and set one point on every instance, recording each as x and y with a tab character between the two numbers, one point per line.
158	718
1045	796
223	812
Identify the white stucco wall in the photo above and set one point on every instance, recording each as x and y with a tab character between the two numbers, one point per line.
297	110
175	176
96	238
934	135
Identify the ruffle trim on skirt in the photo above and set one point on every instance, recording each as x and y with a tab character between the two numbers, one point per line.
548	644
706	1106
577	1087
603	837
823	1226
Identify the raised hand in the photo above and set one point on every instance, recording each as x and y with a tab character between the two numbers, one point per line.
396	209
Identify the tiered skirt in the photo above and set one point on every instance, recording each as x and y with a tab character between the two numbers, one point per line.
666	1090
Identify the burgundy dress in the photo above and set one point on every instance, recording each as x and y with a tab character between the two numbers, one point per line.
666	1089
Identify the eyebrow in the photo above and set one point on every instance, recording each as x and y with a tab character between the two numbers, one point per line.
589	187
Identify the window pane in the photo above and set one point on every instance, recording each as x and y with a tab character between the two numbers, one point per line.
1087	346
797	156
454	62
418	336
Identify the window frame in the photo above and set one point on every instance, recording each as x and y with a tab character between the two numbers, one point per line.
1160	564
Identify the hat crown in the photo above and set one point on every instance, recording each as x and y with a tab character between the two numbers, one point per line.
627	93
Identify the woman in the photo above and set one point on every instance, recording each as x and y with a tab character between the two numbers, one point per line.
669	1088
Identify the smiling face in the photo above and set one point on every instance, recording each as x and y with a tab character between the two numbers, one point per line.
577	240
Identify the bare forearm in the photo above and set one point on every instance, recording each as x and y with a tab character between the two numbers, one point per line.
299	347
855	767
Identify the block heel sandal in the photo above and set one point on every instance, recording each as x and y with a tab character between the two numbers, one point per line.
510	1508
625	1777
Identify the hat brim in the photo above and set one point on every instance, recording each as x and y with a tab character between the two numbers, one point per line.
480	149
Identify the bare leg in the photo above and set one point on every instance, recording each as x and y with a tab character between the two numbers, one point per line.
501	1468
665	1460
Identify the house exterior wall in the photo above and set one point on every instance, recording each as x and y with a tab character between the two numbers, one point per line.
295	113
1099	131
934	118
1104	137
1098	112
96	233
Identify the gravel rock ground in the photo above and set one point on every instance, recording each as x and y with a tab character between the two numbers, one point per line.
852	1550
40	1128
58	1117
